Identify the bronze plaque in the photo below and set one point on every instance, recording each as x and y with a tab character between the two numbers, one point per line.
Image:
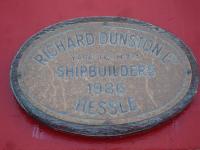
103	76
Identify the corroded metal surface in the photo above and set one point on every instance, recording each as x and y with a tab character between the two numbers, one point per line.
103	76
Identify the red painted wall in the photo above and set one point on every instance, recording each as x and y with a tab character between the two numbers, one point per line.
19	19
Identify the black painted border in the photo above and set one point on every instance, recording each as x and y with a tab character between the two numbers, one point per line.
102	130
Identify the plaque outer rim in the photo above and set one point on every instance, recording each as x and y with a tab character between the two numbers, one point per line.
103	130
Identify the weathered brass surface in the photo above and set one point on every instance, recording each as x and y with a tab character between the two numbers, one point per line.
103	76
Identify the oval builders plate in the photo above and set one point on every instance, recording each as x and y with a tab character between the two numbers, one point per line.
103	76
